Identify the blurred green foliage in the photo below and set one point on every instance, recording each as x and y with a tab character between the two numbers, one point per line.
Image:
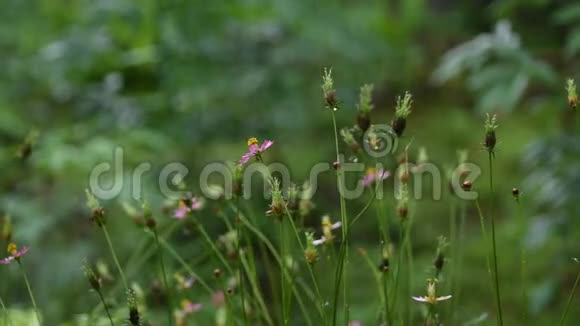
190	81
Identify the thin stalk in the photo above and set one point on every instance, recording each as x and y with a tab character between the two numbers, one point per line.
524	263
164	274
112	249
185	266
485	238
282	274
496	270
274	253
105	306
7	320
256	289
213	247
342	266
240	270
572	293
309	267
36	311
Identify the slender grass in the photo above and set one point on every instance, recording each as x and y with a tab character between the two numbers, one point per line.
570	298
276	256
30	294
100	294
342	265
164	275
524	263
186	266
285	312
7	320
256	289
115	259
239	239
493	240
308	266
485	238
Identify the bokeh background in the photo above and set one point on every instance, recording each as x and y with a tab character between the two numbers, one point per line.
190	81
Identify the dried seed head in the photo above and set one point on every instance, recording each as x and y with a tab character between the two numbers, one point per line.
94	281
467	185
217	273
328	90
516	193
572	95
490	139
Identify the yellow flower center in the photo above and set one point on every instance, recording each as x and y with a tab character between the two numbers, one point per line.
252	141
371	171
12	249
184	303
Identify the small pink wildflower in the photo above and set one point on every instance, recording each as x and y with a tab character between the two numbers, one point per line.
183	208
15	254
431	297
372	175
187	308
255	149
218	299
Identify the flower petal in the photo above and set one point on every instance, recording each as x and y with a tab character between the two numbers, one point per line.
7	260
420	299
443	298
318	242
246	157
267	144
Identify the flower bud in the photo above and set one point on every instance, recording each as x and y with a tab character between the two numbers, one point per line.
516	193
467	185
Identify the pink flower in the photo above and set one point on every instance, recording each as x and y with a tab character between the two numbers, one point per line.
355	323
372	175
218	299
187	308
15	254
255	149
183	209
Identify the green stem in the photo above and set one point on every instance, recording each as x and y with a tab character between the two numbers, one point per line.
342	266
36	311
282	274
572	293
492	214
485	238
213	247
7	320
278	260
164	274
309	267
112	249
257	292
240	270
523	263
184	264
105	306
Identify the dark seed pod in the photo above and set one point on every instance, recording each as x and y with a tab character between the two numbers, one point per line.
467	186
403	212
439	262
217	273
384	265
98	216
336	165
399	124
24	151
330	99
516	193
134	317
363	121
150	223
490	140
